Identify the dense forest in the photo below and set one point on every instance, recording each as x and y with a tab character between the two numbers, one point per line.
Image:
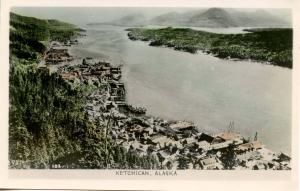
266	45
47	123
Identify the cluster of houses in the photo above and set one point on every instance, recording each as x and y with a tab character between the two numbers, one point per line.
57	54
179	145
175	144
108	91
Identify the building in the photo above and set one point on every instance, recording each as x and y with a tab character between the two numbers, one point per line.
210	163
204	137
229	136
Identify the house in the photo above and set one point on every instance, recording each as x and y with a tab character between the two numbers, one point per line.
109	105
210	163
124	137
148	131
259	166
221	145
163	155
117	115
229	136
116	89
126	145
115	70
204	137
283	157
204	145
72	42
136	129
245	155
182	125
249	146
183	129
137	145
117	92
256	144
104	64
217	140
245	147
188	141
55	44
68	76
161	140
56	55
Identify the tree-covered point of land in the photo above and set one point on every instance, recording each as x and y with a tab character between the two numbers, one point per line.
266	45
47	122
29	36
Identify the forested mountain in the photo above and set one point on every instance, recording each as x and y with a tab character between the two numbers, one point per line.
29	35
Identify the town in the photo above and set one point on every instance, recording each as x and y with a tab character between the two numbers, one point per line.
175	144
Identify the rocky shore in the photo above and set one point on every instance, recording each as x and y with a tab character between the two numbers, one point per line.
175	144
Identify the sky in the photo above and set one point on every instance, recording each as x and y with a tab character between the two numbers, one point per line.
81	16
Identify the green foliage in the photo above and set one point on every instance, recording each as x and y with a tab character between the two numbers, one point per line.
26	34
62	31
38	104
29	27
272	45
47	123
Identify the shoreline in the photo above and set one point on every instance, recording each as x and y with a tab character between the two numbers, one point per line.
145	131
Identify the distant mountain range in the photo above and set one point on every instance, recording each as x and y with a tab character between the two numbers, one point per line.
131	20
212	17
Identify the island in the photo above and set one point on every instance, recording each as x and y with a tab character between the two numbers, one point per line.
268	45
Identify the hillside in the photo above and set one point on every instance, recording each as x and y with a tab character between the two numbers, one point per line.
214	17
47	121
28	35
